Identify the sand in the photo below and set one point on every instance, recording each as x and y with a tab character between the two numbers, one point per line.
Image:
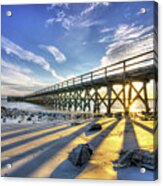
42	149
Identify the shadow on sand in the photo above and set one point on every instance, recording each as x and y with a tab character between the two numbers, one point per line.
67	170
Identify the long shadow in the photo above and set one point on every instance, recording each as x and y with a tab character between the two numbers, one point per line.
16	127
67	170
110	121
22	142
143	126
29	131
130	142
26	153
36	162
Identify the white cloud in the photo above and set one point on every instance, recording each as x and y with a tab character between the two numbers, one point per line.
104	30
17	80
56	53
12	48
124	32
105	39
68	22
77	21
15	67
127	41
52	6
93	6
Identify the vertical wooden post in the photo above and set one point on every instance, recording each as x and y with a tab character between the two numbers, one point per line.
129	95
146	96
109	88
75	100
96	105
85	100
124	91
156	97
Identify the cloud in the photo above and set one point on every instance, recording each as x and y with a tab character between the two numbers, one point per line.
15	67
56	53
63	5
104	30
105	39
28	56
127	41
124	32
17	80
93	6
69	22
78	21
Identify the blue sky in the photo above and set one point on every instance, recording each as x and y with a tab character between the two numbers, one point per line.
45	44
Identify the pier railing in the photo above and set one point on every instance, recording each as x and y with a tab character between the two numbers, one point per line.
137	62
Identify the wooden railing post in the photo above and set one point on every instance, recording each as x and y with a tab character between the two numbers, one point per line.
124	84
91	76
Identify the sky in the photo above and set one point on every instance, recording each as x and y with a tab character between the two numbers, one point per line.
45	44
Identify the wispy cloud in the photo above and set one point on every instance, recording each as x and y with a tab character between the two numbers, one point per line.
68	22
106	30
15	78
128	40
15	67
55	52
63	5
80	20
28	56
124	32
93	6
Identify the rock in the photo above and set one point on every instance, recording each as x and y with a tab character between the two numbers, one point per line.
29	119
118	115
139	158
98	115
109	115
4	120
75	123
78	116
3	109
95	127
32	115
80	154
39	116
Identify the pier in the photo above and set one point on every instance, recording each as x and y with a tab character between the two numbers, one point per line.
82	93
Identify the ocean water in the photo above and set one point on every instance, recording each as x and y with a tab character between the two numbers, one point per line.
117	107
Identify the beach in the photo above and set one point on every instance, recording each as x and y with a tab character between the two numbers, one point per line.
38	144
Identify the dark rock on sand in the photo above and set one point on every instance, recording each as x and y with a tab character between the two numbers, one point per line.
139	158
4	120
118	115
95	127
75	123
80	154
29	119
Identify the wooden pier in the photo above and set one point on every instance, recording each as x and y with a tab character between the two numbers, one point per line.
82	93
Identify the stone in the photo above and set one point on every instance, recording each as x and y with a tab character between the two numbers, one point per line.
118	115
29	119
4	120
80	154
75	123
95	127
139	158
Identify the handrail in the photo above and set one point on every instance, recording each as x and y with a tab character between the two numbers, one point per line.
96	73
